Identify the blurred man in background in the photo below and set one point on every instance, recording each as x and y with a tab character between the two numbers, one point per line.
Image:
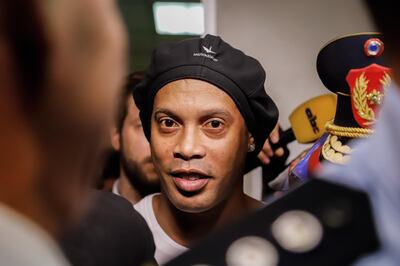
137	176
61	64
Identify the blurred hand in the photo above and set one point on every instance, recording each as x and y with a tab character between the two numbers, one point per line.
293	179
267	152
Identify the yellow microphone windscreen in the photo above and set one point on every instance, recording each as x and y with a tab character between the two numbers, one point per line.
309	119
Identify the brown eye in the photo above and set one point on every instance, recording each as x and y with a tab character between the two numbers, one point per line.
167	122
215	124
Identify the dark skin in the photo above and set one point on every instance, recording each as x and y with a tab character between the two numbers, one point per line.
199	144
267	152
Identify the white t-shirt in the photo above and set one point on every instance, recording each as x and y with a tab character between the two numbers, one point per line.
166	248
115	189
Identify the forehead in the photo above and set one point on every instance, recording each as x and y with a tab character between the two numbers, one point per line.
131	107
192	94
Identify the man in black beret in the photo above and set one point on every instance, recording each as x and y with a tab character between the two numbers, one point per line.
204	109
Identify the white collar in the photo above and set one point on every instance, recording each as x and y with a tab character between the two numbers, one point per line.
115	189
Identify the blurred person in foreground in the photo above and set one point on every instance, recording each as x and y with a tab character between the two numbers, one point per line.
113	233
61	64
374	166
137	176
205	111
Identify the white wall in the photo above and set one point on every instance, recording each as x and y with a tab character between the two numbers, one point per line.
286	36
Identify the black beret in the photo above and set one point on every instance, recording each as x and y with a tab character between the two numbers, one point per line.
212	60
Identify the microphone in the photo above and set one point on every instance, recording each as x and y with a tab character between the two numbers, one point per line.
307	125
308	120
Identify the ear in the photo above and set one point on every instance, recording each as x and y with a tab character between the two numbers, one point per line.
250	140
115	137
251	145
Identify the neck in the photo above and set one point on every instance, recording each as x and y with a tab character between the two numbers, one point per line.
126	190
188	228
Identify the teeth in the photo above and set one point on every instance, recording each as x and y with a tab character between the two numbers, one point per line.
191	177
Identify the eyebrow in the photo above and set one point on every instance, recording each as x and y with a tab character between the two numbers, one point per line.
205	113
216	111
163	111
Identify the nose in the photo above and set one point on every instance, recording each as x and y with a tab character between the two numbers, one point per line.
189	145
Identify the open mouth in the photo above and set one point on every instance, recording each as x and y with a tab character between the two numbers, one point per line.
188	181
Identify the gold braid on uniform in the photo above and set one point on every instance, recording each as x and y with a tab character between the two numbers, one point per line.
348	132
333	150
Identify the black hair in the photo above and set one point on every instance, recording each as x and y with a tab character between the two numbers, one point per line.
133	79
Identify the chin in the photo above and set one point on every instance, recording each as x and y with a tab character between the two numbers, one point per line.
192	209
192	204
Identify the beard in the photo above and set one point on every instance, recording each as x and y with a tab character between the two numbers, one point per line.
137	177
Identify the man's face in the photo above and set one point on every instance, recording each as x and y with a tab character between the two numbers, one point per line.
86	72
135	150
199	143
